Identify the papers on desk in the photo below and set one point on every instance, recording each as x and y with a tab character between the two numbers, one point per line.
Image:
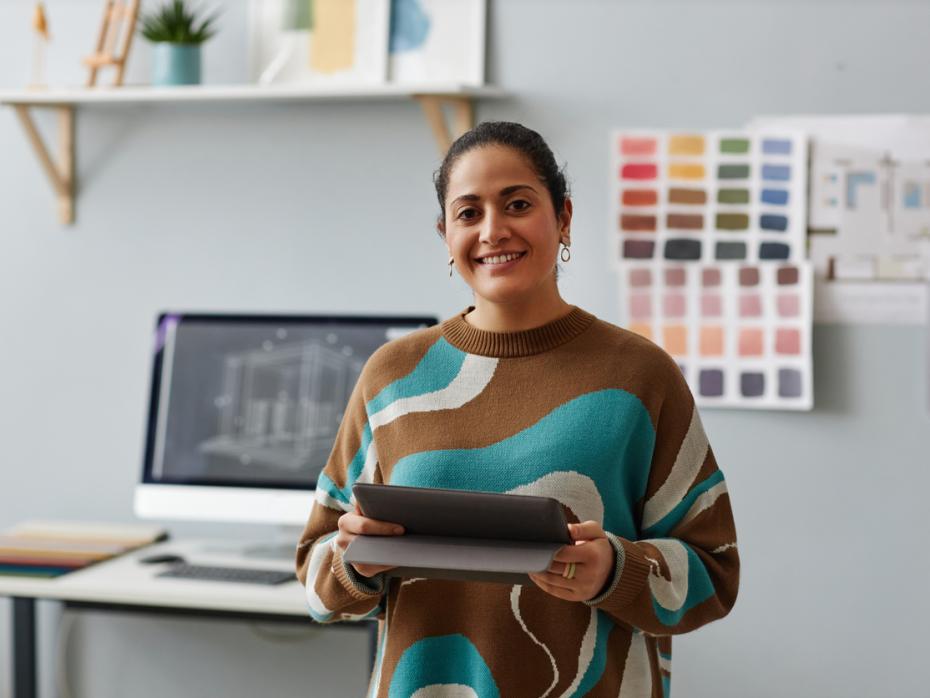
54	548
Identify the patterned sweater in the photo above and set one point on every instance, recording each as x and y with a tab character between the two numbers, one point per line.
578	410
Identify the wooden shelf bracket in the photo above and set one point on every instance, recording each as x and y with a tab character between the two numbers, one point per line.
60	174
449	111
463	117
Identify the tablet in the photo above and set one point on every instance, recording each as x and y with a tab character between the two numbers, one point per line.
460	534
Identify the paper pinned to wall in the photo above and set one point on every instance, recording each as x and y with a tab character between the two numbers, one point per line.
326	42
708	236
869	215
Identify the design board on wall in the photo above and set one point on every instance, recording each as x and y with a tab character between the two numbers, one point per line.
319	42
438	41
708	238
869	215
367	42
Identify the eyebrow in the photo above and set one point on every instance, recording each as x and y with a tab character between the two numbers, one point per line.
506	191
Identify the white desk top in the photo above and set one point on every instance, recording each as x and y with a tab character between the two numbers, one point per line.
124	580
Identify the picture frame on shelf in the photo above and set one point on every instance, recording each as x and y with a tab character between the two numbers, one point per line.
438	41
319	42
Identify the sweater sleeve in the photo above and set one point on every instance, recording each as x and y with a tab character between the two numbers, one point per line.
334	590
683	571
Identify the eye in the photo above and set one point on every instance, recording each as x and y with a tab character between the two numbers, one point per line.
467	214
519	204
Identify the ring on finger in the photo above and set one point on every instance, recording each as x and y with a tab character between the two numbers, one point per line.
569	571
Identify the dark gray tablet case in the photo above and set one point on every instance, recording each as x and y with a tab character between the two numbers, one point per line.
458	534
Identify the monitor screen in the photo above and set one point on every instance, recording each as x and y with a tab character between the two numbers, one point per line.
254	401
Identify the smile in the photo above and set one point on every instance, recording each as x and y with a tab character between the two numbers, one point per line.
501	259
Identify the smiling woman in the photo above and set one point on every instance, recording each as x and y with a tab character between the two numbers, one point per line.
504	211
525	394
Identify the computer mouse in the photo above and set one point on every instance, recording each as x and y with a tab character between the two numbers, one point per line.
161	558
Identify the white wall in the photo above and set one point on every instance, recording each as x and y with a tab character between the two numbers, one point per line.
330	208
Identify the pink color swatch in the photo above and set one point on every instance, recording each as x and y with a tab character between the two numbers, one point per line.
788	341
638	146
640	278
641	306
673	305
750	342
710	277
711	305
789	305
750	305
675	276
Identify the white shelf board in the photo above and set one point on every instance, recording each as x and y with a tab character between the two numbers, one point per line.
236	93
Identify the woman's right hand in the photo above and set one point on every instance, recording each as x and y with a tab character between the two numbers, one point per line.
354	524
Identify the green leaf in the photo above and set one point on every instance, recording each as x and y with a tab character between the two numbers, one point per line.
177	22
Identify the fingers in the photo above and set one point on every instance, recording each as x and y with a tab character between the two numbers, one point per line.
363	526
574	553
587	530
549	584
352	525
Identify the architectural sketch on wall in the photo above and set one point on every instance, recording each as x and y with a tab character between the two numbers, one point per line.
878	208
869	215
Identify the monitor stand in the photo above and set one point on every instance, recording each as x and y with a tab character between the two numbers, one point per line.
280	547
271	551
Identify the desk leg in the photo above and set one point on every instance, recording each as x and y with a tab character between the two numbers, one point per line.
24	648
373	643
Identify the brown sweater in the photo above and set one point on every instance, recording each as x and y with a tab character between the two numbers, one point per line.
578	410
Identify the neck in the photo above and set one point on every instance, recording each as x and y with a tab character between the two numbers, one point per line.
519	314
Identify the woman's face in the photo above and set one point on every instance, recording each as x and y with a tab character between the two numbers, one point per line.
500	226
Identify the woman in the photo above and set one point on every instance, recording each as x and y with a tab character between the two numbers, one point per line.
523	393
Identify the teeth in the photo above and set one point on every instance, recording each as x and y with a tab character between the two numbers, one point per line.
499	259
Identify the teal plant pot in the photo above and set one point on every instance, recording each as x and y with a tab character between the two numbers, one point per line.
176	64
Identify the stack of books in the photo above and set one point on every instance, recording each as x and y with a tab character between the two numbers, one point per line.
54	548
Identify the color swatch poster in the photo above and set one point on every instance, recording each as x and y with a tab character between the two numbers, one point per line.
720	196
708	237
741	333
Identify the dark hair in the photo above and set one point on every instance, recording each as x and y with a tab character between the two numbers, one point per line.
512	135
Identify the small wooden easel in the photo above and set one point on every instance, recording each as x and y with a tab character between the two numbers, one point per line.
119	25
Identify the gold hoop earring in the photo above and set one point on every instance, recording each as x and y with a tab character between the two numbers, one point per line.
451	266
566	254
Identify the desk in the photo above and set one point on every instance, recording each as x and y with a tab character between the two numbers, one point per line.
124	584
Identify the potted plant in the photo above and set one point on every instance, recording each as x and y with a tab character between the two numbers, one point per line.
177	32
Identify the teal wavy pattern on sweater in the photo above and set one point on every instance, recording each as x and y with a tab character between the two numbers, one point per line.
344	494
447	659
700	588
438	367
595	669
435	371
664	526
606	435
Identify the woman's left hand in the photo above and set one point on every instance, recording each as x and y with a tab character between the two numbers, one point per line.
593	557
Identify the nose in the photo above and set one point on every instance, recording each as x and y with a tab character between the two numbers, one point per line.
494	229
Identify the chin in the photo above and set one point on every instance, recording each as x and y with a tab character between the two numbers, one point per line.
502	295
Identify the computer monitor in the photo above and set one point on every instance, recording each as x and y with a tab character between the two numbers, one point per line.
244	410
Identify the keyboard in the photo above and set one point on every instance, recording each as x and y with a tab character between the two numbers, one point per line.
241	575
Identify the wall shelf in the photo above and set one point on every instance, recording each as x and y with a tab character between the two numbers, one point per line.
434	100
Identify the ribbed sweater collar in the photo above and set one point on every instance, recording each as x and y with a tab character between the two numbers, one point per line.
506	345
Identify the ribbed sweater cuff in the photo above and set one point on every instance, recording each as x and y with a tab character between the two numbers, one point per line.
631	571
358	586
